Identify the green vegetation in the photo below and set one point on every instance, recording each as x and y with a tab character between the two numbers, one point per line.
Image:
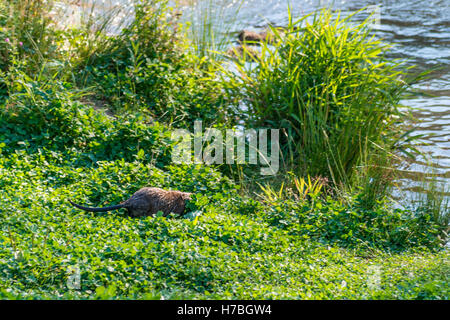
95	125
329	85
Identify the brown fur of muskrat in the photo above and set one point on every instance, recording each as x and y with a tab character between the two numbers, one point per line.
147	202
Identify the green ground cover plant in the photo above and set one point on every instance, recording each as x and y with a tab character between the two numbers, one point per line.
96	127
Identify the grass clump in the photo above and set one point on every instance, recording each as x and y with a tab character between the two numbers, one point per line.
328	84
147	67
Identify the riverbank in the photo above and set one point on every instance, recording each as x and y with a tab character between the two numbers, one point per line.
89	117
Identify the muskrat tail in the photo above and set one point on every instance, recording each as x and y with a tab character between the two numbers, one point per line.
91	209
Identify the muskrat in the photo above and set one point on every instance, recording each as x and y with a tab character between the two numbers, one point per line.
148	201
253	37
246	35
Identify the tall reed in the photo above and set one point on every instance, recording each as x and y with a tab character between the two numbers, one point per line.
328	84
209	24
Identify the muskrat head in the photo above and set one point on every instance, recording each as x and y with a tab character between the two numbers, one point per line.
187	196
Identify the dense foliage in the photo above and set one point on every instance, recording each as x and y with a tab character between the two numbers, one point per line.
328	84
237	248
57	143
